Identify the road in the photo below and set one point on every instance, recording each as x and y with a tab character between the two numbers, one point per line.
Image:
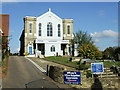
21	71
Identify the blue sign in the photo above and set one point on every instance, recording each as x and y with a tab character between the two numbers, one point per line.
72	77
97	67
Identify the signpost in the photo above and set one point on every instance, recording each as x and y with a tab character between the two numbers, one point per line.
72	77
97	67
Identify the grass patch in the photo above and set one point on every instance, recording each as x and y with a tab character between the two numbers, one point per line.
4	67
109	64
63	60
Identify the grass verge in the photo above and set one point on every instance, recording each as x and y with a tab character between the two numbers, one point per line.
4	67
65	61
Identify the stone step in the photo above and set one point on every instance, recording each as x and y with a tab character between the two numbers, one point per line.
109	77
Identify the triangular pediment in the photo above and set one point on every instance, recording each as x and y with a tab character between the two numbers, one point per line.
49	13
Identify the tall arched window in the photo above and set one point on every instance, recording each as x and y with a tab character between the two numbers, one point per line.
52	48
68	29
49	29
58	30
30	30
39	31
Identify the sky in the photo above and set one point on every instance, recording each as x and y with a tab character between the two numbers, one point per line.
99	19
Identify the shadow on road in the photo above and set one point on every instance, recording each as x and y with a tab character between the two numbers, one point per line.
97	84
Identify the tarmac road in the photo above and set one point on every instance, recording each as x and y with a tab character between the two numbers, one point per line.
21	72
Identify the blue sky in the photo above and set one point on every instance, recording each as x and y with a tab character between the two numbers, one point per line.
99	19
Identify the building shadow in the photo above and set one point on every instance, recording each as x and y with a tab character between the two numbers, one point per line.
97	85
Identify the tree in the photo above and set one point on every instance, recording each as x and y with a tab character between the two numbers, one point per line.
89	51
81	38
116	54
108	53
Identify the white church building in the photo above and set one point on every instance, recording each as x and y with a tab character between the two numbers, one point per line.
46	35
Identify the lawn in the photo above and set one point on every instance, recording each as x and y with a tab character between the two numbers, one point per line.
116	63
75	64
63	60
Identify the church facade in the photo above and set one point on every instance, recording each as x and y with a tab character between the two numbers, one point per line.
46	35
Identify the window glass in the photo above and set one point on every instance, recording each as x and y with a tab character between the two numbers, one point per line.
52	48
30	31
49	29
68	27
39	31
58	30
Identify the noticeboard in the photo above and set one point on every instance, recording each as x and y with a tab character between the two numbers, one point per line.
97	67
72	77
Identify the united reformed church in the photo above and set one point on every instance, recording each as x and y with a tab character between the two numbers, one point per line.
46	35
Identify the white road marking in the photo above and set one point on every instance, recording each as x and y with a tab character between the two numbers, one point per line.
40	68
42	61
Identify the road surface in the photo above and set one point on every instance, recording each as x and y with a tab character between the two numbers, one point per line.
21	71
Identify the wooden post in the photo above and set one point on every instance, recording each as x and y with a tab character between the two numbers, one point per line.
47	70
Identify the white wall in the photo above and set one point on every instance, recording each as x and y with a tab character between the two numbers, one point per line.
48	49
55	20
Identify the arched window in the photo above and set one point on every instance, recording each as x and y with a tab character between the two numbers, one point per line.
68	29
39	31
30	30
49	29
52	48
58	30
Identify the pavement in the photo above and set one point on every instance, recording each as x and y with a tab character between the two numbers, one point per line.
0	77
24	74
43	64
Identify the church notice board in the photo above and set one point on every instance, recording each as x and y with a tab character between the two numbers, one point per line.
97	67
72	77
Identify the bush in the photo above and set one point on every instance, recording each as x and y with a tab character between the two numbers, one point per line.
83	67
25	54
88	74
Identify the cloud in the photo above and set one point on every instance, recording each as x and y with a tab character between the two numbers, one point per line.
104	34
16	50
96	40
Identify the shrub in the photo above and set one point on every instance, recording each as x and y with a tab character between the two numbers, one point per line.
83	67
88	74
25	54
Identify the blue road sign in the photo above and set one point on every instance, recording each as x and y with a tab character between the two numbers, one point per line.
97	67
72	77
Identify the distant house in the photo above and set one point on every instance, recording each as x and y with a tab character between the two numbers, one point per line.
4	34
4	24
46	35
